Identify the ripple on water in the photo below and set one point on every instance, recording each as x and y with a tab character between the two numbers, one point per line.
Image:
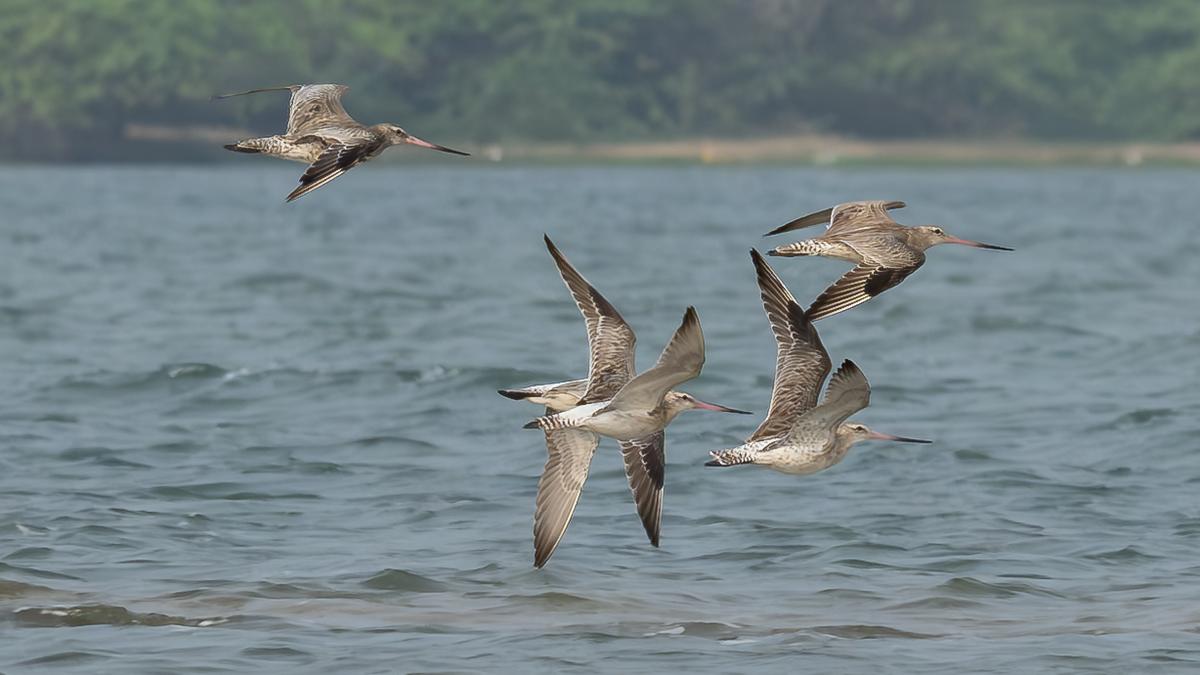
19	589
103	615
970	587
225	491
870	632
405	581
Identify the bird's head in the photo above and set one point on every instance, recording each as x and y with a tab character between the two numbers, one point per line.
925	236
855	432
397	135
678	401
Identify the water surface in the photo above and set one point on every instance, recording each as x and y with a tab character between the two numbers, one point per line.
241	435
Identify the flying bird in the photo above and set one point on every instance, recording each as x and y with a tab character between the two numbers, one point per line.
322	134
611	346
884	251
800	436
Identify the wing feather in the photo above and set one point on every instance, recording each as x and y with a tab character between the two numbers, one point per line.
335	161
645	466
316	106
847	393
849	214
570	454
890	262
801	363
681	360
611	341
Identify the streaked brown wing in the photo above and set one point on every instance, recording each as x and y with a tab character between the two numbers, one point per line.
645	465
680	361
848	392
314	106
611	341
847	212
861	215
801	363
335	161
569	457
888	261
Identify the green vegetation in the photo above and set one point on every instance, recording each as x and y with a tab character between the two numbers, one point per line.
74	73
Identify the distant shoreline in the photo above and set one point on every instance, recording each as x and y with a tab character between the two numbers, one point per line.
153	143
837	151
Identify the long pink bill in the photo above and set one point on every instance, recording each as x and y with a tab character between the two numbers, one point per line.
720	408
434	146
875	435
976	244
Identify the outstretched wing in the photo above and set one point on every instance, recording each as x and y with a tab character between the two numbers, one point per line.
645	465
869	279
680	361
801	362
848	215
848	392
610	339
570	454
316	106
335	161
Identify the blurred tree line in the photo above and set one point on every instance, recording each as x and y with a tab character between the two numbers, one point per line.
73	73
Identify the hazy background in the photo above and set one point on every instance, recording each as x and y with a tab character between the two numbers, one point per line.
80	80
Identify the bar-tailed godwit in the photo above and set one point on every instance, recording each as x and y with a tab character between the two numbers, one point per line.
884	251
799	436
322	134
611	344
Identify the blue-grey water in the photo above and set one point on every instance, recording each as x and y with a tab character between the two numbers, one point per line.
238	435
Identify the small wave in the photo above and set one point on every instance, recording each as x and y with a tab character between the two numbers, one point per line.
63	658
402	580
283	281
972	587
30	553
868	631
1136	418
937	602
103	615
35	572
197	370
230	491
18	589
1123	555
277	654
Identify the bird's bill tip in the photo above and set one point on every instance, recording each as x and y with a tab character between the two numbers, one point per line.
421	143
875	435
976	244
704	405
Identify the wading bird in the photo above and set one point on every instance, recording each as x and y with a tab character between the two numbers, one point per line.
884	251
799	436
322	134
611	344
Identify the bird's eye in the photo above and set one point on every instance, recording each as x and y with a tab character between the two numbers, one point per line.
938	230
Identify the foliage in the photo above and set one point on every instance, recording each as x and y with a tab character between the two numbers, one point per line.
74	73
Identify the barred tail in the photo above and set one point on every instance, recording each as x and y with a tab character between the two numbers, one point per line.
730	457
806	247
552	422
271	145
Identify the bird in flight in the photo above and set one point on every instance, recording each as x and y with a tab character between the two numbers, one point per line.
323	135
800	435
884	251
570	447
